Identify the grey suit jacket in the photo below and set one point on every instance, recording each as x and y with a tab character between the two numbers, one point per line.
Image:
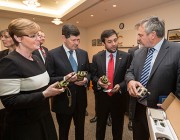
165	74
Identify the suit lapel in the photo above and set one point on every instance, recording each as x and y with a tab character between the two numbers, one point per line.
79	59
162	53
103	62
65	59
141	60
118	62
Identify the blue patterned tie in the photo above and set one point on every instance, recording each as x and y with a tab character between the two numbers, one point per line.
72	61
146	69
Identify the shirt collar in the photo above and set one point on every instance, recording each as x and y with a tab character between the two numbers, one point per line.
108	53
66	49
158	45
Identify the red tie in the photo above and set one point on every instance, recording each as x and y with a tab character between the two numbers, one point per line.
111	73
43	52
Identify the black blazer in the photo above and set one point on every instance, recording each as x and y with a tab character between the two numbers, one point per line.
58	65
36	52
4	53
132	50
121	65
165	74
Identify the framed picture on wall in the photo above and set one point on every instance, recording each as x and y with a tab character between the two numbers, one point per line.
93	42
173	35
99	42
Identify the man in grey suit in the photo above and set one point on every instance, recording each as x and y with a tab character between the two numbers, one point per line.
163	74
73	102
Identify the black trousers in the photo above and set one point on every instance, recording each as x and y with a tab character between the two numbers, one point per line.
96	102
64	122
108	104
140	124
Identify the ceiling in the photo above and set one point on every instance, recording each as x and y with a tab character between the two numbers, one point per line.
102	10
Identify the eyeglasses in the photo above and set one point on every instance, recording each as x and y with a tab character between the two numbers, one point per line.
35	36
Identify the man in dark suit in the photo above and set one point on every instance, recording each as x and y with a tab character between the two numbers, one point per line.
132	50
60	67
111	96
163	73
42	51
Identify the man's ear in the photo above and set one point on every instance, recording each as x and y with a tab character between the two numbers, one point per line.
18	39
63	38
103	43
153	34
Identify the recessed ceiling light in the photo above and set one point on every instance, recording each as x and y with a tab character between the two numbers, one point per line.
92	15
114	5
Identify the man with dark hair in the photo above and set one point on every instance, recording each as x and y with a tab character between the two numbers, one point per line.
155	66
113	64
62	64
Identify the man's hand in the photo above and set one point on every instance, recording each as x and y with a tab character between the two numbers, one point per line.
101	84
131	86
82	82
116	88
71	77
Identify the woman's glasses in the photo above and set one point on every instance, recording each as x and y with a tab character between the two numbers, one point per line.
35	36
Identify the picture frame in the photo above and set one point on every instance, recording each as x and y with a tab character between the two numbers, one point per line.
93	42
99	42
173	35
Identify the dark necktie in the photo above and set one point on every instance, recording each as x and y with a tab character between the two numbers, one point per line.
146	69
72	61
110	72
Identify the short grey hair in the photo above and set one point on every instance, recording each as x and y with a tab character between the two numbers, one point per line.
151	24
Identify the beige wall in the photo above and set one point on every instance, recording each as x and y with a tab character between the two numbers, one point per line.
169	12
52	32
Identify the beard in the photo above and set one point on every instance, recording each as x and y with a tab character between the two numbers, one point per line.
112	50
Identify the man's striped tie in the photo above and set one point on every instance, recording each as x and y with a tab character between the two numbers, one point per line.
146	69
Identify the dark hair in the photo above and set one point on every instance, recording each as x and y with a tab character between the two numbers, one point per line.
151	24
70	29
107	33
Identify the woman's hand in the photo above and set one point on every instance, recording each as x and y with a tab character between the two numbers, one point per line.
52	90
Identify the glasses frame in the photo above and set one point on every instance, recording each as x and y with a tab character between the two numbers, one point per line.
35	36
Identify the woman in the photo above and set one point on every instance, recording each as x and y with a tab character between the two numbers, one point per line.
7	42
23	87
